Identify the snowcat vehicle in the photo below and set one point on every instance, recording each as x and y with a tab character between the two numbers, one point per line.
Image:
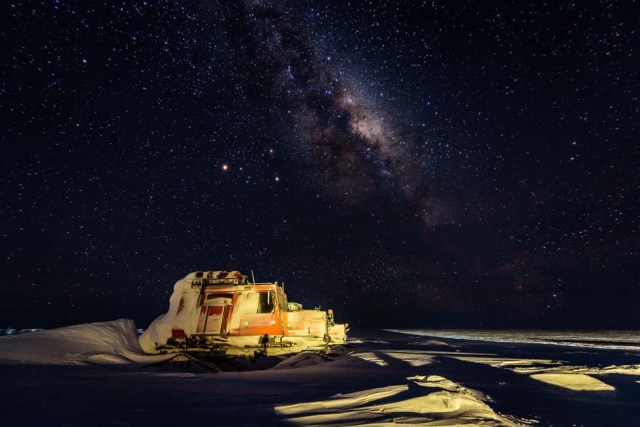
220	313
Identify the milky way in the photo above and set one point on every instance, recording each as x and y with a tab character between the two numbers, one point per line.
356	150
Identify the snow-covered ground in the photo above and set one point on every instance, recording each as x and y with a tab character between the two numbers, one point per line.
98	374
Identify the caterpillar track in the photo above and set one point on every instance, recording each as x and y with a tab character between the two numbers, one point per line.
185	361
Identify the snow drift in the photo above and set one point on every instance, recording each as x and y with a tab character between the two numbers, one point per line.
160	329
114	342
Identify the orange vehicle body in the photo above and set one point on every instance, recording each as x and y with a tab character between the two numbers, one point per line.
222	312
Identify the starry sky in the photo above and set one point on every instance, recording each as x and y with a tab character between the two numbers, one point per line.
409	164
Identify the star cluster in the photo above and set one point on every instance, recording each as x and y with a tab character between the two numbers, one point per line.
413	164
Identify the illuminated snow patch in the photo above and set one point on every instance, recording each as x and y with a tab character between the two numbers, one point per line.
344	401
576	382
554	368
301	360
587	370
371	357
411	358
362	341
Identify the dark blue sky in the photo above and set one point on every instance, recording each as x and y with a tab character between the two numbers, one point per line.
420	164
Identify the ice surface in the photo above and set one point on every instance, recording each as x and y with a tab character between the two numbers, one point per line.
614	340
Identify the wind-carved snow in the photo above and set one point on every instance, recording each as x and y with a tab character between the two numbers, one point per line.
431	400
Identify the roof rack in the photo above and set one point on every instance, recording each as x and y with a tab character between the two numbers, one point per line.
209	278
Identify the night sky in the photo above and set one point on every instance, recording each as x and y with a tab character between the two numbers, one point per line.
409	164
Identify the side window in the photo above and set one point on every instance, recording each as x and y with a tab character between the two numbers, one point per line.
259	302
266	302
282	302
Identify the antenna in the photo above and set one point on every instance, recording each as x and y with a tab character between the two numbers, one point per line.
253	278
